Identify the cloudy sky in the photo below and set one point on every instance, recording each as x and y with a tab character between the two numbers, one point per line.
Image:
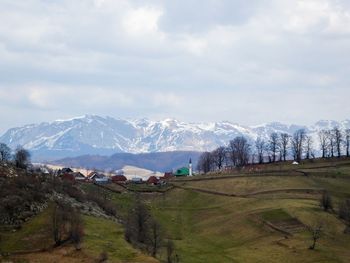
195	60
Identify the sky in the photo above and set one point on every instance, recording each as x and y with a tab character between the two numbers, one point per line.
249	62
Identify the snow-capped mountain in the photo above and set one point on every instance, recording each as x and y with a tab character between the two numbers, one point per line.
92	134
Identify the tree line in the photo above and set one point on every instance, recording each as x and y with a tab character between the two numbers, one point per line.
20	158
277	147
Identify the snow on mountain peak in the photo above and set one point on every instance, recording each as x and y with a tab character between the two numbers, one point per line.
92	134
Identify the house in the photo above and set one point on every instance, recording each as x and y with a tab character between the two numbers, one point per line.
119	179
168	176
153	180
102	180
73	176
184	171
136	180
78	176
66	171
68	177
98	178
94	175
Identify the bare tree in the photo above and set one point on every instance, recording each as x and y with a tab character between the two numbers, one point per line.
219	156
298	141
205	162
331	143
22	158
154	237
61	216
326	201
5	153
273	145
260	149
323	138
240	151
76	229
169	251
347	142
344	213
316	231
284	141
308	147
338	139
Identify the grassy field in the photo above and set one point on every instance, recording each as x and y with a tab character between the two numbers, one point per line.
225	229
207	226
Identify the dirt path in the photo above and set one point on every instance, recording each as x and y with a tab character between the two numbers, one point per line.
284	190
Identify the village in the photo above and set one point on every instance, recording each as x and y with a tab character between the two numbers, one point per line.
128	175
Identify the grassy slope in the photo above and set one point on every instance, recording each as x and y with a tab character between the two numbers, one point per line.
223	229
226	229
101	235
32	235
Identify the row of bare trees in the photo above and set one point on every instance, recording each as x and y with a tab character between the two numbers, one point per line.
143	231
278	147
334	142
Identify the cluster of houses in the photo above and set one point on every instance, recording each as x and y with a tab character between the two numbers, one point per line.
100	178
119	177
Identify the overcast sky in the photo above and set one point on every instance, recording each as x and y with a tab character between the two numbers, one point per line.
195	60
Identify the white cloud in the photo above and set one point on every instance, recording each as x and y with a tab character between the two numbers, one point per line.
141	21
123	57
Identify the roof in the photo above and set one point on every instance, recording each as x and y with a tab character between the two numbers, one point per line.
94	175
152	180
183	171
118	178
168	175
66	170
78	175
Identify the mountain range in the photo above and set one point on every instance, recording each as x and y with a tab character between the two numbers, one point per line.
96	135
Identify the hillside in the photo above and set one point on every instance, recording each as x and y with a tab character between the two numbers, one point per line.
97	135
259	215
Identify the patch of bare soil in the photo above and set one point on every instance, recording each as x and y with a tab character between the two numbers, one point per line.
64	254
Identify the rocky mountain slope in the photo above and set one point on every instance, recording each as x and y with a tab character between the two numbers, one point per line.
92	134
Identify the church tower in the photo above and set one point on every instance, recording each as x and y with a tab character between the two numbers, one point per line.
190	168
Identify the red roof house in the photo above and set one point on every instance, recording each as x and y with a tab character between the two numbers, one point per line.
118	179
168	175
152	180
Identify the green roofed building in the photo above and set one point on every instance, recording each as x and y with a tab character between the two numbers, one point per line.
184	171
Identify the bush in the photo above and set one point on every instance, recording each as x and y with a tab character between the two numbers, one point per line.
105	204
66	224
17	196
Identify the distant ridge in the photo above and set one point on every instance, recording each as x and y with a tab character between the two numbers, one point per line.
95	135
